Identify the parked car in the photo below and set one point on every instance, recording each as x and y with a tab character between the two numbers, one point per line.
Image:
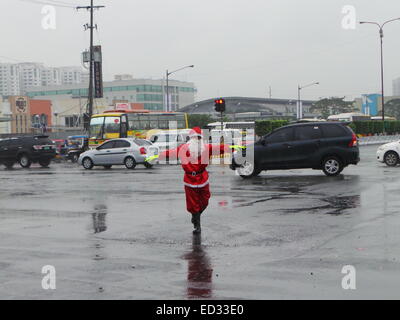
389	153
326	146
27	150
128	152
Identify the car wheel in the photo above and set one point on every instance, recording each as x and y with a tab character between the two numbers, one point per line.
75	158
45	163
107	167
130	163
391	158
148	165
248	170
332	166
24	161
87	163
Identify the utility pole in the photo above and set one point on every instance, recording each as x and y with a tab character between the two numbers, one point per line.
90	26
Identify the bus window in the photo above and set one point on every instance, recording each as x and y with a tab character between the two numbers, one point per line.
144	123
134	121
154	121
163	121
96	127
112	124
181	121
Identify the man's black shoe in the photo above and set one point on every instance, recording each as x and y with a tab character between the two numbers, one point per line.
196	223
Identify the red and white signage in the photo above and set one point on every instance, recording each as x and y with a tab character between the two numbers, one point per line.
122	106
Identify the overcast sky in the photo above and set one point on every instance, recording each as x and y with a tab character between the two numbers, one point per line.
238	47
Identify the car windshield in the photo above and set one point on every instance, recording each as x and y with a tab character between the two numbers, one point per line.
167	138
141	142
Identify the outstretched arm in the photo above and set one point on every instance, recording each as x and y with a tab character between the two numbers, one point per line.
219	149
171	153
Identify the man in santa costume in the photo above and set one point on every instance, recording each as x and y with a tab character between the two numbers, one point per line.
194	157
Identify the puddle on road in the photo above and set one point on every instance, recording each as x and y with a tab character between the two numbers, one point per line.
199	271
99	218
334	206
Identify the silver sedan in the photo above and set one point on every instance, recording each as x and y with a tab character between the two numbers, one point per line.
128	152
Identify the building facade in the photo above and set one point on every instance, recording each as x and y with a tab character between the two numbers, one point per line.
51	77
253	108
71	75
9	79
30	75
371	104
20	114
396	87
150	92
5	116
16	78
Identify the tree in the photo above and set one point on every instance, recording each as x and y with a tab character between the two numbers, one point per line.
199	120
330	106
392	108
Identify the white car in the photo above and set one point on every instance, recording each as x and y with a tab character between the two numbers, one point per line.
168	140
389	153
128	152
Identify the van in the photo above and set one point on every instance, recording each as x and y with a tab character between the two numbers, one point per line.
326	146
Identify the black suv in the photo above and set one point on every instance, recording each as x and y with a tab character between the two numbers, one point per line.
27	150
327	146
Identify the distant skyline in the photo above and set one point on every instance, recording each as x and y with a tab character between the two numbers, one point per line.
239	48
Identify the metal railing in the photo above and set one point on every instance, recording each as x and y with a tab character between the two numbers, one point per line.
364	141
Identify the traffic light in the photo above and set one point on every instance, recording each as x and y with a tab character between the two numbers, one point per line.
220	105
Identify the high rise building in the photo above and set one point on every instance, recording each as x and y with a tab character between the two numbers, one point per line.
71	75
16	78
396	87
30	74
51	76
9	79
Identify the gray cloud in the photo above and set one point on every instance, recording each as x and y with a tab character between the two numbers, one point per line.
239	48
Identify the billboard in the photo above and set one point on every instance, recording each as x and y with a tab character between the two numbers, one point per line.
370	104
98	72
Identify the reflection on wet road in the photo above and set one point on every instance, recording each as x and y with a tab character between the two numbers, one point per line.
125	234
200	272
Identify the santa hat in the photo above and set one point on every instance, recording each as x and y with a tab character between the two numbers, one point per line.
196	132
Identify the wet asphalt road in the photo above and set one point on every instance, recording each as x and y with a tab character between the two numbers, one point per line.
119	234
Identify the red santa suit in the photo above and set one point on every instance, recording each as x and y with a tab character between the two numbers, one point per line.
194	160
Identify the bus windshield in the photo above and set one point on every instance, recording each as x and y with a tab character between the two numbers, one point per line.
96	127
101	127
112	125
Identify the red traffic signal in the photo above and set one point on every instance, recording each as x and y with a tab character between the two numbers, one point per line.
219	105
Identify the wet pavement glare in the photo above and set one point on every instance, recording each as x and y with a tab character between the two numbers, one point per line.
121	234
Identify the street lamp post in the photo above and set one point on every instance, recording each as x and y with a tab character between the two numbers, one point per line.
299	106
380	26
168	73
